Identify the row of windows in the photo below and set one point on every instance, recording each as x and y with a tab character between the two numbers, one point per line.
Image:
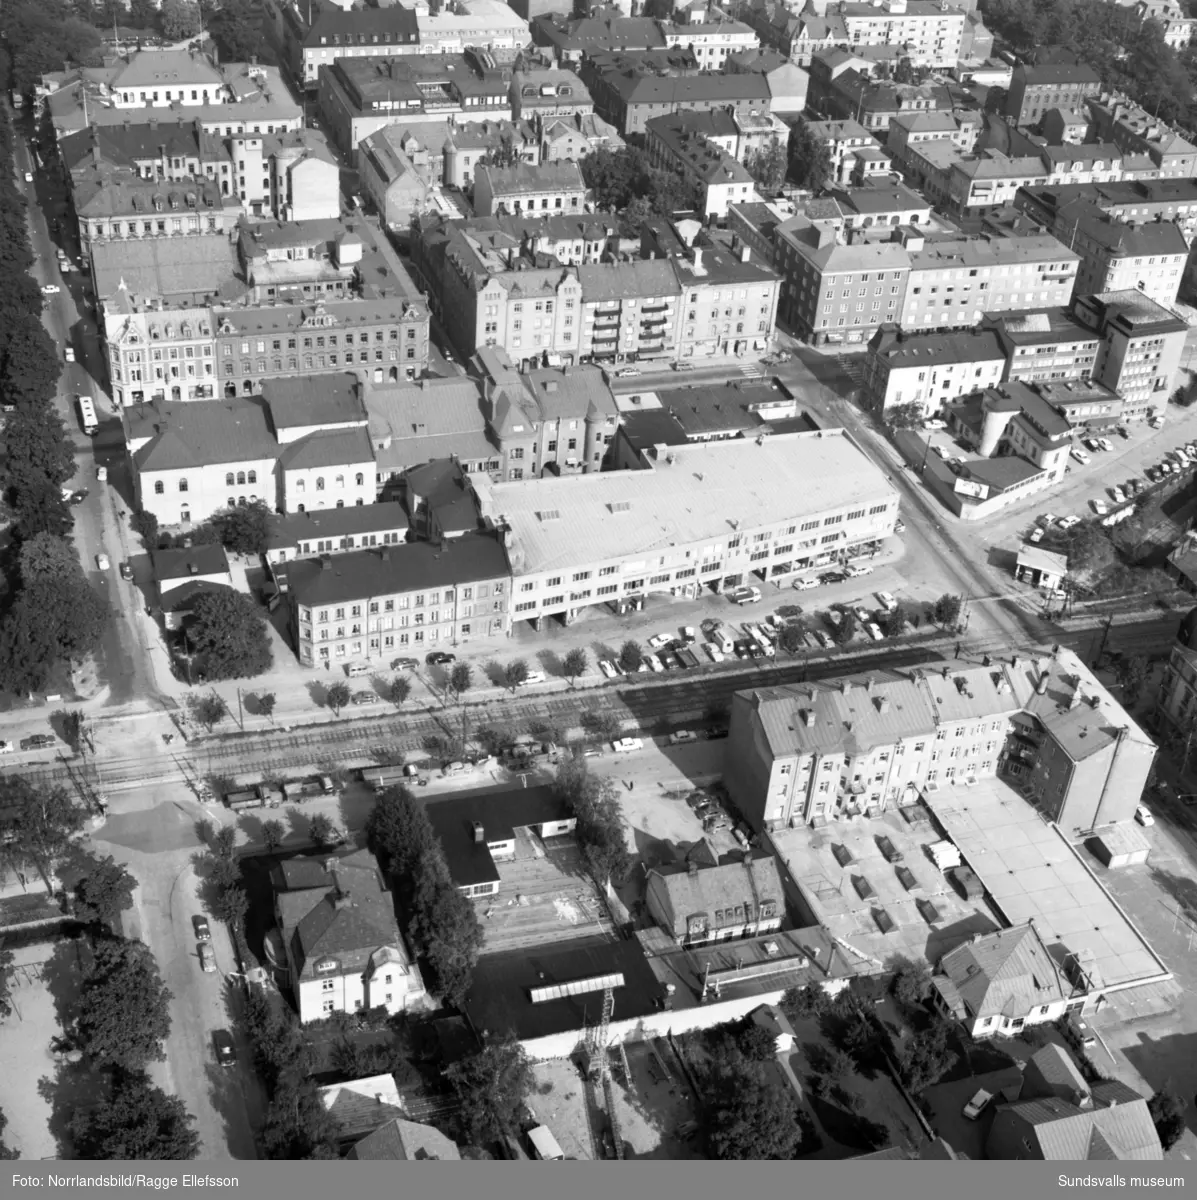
318	342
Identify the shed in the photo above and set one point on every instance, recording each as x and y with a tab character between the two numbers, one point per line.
1040	568
1119	846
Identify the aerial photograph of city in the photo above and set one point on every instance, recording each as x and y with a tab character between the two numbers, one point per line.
599	582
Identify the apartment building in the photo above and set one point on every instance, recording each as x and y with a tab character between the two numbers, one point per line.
797	35
697	901
571	138
337	530
729	297
842	139
1116	119
852	93
788	83
571	39
554	188
159	353
910	128
862	744
631	97
971	185
739	135
1118	256
953	283
928	33
486	26
712	41
359	96
542	92
1141	349
416	596
630	310
1178	688
838	287
719	177
712	514
930	369
1037	89
469	142
1137	200
1045	345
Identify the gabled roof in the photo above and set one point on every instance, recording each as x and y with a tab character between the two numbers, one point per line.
1005	974
294	528
400	1139
187	563
328	448
165	69
307	400
692	889
199	433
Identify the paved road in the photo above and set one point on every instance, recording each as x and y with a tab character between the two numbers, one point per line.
68	318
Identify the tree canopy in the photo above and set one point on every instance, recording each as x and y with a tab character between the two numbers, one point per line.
748	1116
768	166
245	529
810	159
491	1087
600	833
123	1014
103	891
229	635
137	1121
620	177
46	822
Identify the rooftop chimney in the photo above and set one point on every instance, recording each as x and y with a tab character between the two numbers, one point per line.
1041	686
882	704
342	900
479	833
808	718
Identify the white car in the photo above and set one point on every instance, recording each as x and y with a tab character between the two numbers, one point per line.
682	737
102	562
70	354
803	585
627	372
1047	520
977	1105
874	632
857	572
1119	496
1143	815
654	664
28	176
51	289
627	745
608	668
886	601
1080	456
713	652
1069	522
943	452
1036	535
659	640
824	640
535	677
934	423
1105	443
6	748
1100	507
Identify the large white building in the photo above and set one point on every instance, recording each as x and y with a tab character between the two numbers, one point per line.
929	32
708	515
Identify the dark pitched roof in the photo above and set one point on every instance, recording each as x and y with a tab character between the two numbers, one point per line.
184	563
293	528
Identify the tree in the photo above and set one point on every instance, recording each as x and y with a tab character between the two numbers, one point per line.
505	154
925	1056
44	558
230	905
246	529
209	710
947	609
321	830
791	638
52	620
446	924
748	1117
756	1043
807	1001
1133	674
123	1014
298	1125
137	1121
1168	1112
631	657
574	664
595	805
846	630
768	167
236	28
911	982
995	100
602	724
180	19
399	690
897	620
47	820
516	674
491	1087
905	416
143	523
229	635
810	159
142	14
224	843
6	1153
461	678
104	891
337	696
266	705
273	832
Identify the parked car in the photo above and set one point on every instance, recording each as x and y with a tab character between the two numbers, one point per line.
689	635
832	577
608	668
102	562
404	664
1143	815
38	741
943	452
50	289
70	354
360	698
660	640
886	600
1100	507
627	372
1036	536
654	663
1069	522
627	745
978	1104
126	571
682	737
804	585
1046	520
1122	432
6	748
858	570
874	631
207	957
1080	456
683	366
1118	495
203	931
713	652
226	1050
438	658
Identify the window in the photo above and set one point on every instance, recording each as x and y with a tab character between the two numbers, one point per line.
182	485
159	488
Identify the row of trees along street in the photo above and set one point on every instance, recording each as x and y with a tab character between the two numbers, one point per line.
50	616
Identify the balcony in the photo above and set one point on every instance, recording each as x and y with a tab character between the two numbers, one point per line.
649	321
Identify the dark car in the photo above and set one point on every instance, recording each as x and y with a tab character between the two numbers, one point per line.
404	664
832	577
38	741
79	496
226	1051
438	658
126	571
203	931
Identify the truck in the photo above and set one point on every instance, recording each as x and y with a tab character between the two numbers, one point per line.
544	1145
944	854
305	789
379	778
259	795
967	882
686	656
524	753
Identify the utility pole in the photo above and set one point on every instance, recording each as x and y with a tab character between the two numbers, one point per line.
1105	635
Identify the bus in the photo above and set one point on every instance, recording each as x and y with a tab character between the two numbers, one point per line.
87	416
